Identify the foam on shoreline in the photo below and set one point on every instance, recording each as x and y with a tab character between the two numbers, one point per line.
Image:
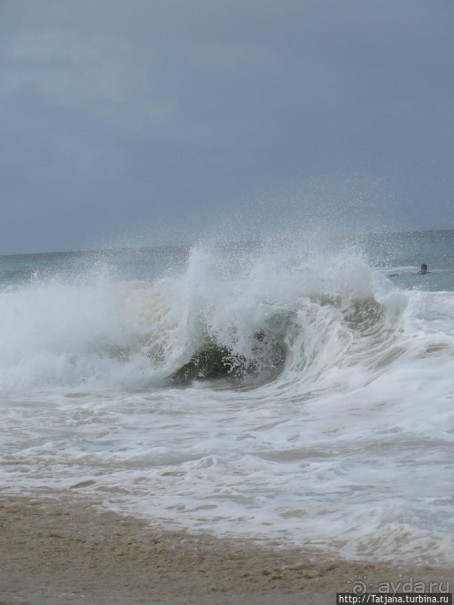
66	550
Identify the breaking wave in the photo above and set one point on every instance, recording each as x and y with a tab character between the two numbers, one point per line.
276	391
229	318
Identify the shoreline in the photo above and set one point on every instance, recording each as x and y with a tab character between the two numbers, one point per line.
68	550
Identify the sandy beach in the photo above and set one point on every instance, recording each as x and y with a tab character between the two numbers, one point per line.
58	551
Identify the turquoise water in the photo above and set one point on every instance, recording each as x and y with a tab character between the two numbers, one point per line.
140	263
398	254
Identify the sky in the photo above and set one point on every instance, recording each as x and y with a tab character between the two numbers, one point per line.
162	121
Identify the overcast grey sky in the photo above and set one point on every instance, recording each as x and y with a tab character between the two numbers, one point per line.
153	121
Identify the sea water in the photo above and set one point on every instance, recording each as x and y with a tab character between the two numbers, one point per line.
298	392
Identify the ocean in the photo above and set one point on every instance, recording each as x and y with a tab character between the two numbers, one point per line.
295	391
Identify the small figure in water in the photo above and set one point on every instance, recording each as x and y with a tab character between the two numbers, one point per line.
424	269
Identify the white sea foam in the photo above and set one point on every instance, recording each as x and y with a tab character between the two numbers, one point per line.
331	425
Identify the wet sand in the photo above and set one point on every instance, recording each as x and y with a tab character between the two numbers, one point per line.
67	551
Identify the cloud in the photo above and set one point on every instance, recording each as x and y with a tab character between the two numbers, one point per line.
168	111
